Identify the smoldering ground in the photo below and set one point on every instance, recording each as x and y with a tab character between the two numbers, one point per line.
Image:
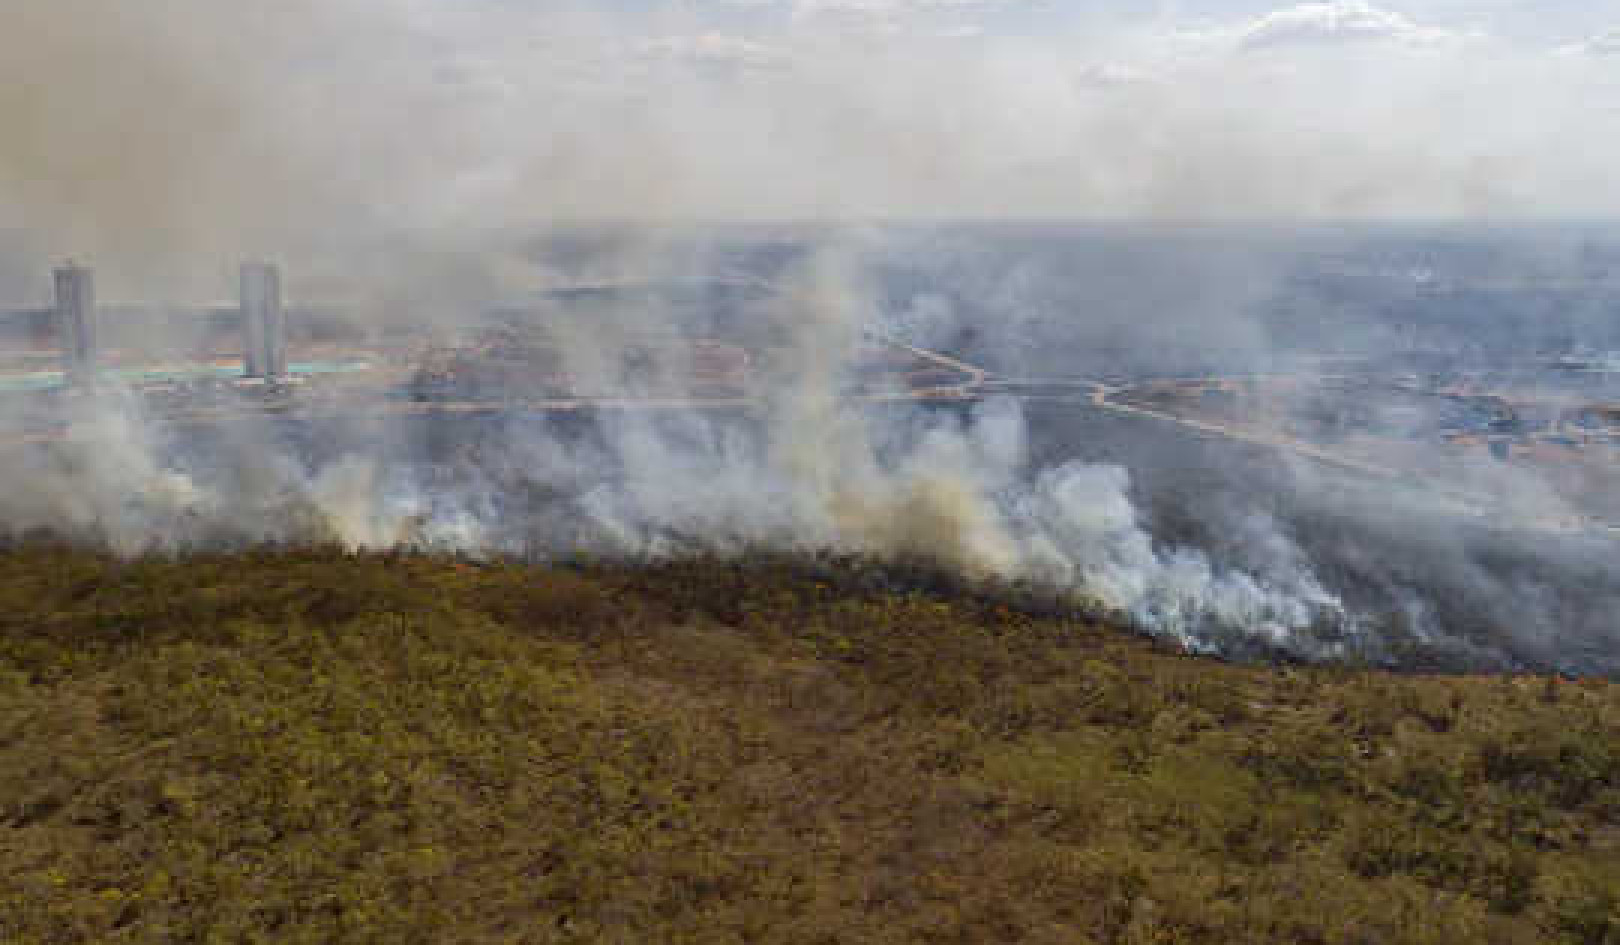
950	492
1223	547
1433	580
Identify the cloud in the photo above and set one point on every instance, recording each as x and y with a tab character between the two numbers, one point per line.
1603	44
717	51
891	13
1108	76
342	122
1337	22
888	7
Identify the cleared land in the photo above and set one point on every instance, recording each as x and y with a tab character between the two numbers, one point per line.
311	746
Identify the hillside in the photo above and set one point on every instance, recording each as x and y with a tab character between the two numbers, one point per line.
311	747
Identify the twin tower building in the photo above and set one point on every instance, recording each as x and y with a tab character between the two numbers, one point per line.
264	322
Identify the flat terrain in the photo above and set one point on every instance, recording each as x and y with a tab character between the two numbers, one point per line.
311	746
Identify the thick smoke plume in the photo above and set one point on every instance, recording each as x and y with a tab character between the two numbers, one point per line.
813	472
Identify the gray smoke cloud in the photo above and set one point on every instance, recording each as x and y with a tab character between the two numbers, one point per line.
812	472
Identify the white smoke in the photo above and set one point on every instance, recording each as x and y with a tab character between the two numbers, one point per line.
812	472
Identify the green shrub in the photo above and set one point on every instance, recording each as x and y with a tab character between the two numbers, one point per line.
309	746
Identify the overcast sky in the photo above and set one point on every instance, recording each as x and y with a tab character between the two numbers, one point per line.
1530	22
180	123
1179	109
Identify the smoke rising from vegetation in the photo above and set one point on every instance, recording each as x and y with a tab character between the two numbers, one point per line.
814	473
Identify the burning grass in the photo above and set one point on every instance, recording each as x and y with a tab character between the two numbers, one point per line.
311	746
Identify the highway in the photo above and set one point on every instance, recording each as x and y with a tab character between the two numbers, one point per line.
1103	396
976	384
355	405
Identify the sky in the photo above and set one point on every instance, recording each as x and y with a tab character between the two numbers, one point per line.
251	127
1548	23
1227	109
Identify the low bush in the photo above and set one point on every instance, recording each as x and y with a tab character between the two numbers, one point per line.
313	746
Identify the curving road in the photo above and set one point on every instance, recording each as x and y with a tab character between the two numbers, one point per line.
976	384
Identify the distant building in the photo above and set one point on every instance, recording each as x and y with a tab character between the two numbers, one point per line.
76	322
264	321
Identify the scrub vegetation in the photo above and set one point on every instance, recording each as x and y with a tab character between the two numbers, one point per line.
313	746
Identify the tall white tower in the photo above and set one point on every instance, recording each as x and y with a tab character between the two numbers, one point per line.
76	321
264	321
